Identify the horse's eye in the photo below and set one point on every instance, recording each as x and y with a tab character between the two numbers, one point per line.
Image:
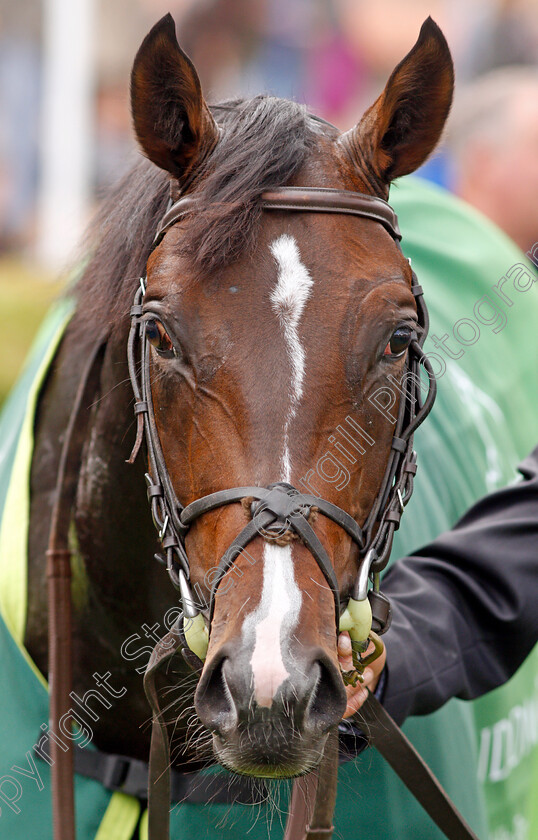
399	342
159	338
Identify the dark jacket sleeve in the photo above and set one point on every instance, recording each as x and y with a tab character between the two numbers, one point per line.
465	607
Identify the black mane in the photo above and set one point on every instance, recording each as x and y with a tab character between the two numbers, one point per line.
263	143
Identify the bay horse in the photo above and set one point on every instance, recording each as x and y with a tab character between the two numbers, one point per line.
265	331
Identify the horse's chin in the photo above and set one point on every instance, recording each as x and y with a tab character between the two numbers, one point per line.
269	763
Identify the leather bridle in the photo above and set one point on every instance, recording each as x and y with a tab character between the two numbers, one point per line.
274	510
281	507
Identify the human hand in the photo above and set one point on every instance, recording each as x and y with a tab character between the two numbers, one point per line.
357	695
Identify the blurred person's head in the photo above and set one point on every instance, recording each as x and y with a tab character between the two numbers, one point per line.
381	32
493	140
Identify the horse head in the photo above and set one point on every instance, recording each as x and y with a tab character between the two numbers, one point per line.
273	335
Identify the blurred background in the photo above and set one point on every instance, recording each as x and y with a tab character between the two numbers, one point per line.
65	131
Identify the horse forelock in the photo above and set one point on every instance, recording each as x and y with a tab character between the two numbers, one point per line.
263	143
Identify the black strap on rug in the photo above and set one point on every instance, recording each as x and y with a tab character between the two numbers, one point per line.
122	774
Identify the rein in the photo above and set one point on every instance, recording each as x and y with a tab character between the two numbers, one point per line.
59	596
274	510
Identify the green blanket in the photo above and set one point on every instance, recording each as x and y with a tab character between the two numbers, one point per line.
484	421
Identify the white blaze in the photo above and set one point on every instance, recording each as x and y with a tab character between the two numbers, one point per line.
277	614
289	297
272	622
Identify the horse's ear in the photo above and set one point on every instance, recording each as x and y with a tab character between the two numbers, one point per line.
405	123
171	119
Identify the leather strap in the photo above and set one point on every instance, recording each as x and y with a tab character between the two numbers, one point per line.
387	737
313	798
301	804
159	754
321	826
59	596
325	200
235	494
303	199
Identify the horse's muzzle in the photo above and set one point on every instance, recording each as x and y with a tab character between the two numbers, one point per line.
283	739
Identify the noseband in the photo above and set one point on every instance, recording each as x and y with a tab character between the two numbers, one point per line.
280	508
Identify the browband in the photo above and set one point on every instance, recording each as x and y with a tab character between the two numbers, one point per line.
325	200
309	199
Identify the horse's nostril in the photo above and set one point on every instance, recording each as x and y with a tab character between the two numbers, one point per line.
328	702
212	699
